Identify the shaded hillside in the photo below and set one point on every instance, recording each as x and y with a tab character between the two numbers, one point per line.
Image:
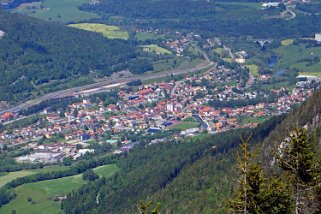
34	53
308	115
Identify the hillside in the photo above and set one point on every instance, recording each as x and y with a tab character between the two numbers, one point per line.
222	18
37	56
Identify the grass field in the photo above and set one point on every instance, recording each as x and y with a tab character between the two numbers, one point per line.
13	175
287	42
107	170
109	31
185	125
37	198
58	10
156	49
142	36
254	69
296	56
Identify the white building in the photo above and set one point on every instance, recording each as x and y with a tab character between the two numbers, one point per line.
317	37
270	4
170	107
1	33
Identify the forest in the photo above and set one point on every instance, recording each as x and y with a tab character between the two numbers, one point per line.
35	54
208	18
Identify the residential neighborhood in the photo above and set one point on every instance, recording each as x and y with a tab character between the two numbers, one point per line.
214	101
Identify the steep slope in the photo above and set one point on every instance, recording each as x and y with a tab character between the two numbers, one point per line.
36	55
205	186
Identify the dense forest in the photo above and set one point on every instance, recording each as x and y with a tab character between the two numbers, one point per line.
207	17
34	54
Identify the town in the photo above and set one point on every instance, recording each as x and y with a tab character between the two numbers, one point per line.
212	101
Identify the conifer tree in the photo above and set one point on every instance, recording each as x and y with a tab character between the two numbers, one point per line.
257	194
296	158
144	208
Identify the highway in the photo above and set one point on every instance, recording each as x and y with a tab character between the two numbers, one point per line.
105	85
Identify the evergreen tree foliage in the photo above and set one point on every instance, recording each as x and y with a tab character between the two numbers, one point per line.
257	194
144	208
296	158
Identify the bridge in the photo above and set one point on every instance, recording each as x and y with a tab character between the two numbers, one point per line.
263	42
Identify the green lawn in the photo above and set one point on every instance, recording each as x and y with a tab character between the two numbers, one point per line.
109	31
185	125
13	175
254	69
58	10
156	49
42	193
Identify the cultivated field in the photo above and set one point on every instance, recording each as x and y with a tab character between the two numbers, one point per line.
111	32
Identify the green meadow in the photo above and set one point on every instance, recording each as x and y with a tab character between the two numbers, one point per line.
299	57
13	175
63	11
109	31
39	196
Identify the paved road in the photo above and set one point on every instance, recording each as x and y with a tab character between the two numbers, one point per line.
105	85
175	87
288	10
